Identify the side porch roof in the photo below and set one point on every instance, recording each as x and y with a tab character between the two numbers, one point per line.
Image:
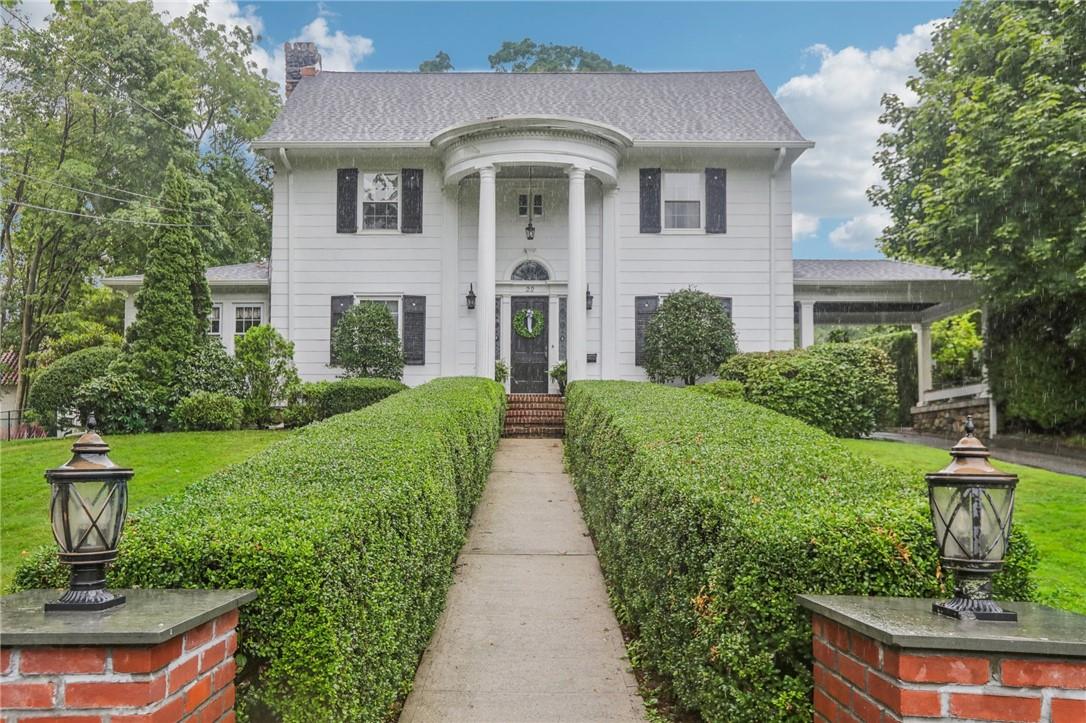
254	273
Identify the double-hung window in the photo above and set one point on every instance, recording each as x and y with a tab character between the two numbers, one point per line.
536	201
246	316
682	197
380	201
215	321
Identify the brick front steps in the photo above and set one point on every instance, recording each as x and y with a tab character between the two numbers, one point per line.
535	415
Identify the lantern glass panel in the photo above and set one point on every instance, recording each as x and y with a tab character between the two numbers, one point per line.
976	518
94	510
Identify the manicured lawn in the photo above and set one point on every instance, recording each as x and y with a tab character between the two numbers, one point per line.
1051	506
164	464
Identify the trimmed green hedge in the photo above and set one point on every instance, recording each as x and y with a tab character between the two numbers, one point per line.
319	400
710	515
348	529
900	346
725	388
845	389
207	412
54	389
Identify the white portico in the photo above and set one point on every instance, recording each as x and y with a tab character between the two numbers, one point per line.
547	151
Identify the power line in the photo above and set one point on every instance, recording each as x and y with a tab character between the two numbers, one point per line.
91	73
93	193
108	218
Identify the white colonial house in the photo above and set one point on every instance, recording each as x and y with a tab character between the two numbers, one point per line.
469	203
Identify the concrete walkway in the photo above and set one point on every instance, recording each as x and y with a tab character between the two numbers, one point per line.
527	633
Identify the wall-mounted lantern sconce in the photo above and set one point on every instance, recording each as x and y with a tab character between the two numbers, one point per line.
971	505
89	504
588	299
471	296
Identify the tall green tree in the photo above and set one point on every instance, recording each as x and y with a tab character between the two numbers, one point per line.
986	173
440	63
528	56
94	106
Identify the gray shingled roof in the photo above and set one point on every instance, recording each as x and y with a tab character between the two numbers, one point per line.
248	274
859	270
733	106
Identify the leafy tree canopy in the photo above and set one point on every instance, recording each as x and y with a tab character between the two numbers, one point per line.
528	56
986	172
440	63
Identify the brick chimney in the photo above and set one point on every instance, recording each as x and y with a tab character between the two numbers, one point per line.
303	60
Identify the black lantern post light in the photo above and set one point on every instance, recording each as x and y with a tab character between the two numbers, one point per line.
90	500
471	296
971	505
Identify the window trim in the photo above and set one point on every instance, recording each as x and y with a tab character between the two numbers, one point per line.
247	305
210	318
362	204
398	298
664	174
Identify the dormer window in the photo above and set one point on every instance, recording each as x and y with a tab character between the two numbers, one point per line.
380	201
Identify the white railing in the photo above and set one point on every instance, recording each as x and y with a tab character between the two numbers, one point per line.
979	389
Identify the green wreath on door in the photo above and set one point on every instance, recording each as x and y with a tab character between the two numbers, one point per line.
528	323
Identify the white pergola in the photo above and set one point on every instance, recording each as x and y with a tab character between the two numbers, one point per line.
886	292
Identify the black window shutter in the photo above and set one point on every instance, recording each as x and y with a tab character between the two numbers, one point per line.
340	305
346	200
726	305
411	221
716	200
650	200
644	309
414	330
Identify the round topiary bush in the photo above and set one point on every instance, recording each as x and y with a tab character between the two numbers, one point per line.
54	390
845	389
689	337
366	343
206	412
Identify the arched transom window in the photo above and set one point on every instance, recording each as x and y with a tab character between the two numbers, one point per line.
530	271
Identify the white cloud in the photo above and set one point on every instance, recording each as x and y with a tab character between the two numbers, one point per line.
34	12
803	225
838	107
339	50
859	232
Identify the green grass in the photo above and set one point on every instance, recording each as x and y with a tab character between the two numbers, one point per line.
1051	506
164	464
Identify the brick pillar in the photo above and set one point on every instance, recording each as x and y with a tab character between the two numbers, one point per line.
860	676
187	677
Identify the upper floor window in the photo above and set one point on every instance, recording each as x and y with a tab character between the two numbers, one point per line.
537	204
381	201
246	316
682	196
215	321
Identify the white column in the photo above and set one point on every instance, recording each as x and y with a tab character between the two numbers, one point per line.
923	359
575	300
806	324
484	275
452	297
608	297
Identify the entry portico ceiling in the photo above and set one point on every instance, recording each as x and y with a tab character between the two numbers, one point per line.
724	109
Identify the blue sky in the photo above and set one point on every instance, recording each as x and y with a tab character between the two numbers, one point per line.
828	64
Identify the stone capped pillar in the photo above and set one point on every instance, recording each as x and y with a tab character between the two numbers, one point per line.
165	655
575	300
485	274
893	659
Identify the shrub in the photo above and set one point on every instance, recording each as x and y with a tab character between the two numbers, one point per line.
54	390
900	346
366	342
314	401
123	402
956	345
689	337
207	412
209	368
348	529
845	389
501	371
711	515
266	364
724	388
559	373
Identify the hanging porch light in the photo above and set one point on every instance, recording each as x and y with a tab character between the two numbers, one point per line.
529	230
